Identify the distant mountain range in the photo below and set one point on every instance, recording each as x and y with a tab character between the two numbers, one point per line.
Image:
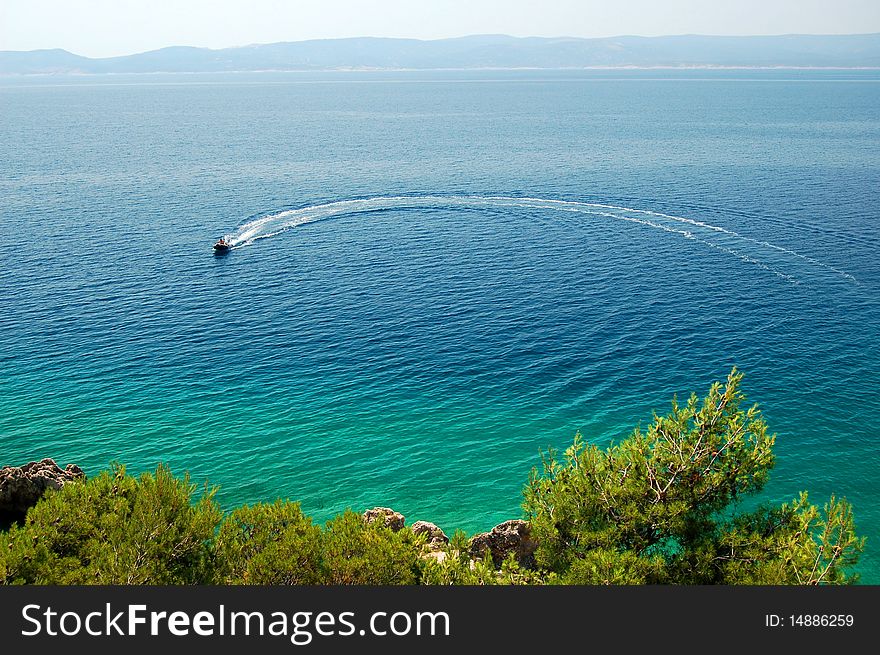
471	52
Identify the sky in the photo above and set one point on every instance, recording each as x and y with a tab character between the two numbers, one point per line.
104	28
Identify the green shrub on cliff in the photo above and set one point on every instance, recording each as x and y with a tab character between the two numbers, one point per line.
269	544
115	529
654	508
277	544
357	552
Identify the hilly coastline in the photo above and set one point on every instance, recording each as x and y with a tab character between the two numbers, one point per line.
472	52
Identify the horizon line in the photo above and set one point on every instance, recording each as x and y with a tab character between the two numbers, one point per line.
453	38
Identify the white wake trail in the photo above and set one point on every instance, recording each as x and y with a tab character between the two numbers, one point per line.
750	239
688	228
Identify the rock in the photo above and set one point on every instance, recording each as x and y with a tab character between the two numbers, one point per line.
480	545
389	518
502	540
22	486
436	538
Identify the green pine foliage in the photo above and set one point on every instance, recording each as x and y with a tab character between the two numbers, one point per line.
277	544
656	507
115	529
357	552
268	545
795	543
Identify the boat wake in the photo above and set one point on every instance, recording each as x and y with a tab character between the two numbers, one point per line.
753	251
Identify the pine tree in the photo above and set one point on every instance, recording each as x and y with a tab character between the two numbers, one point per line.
655	507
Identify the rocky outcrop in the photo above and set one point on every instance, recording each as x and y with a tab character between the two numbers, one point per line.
386	516
435	540
22	486
435	537
502	540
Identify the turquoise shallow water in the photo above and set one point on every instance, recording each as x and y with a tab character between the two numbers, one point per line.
435	276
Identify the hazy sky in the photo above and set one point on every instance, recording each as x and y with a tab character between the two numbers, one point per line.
101	28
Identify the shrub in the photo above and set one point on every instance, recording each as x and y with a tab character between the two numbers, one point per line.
115	529
269	544
357	552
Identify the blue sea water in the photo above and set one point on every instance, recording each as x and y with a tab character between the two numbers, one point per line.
436	275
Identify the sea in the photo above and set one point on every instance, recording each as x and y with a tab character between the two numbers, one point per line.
436	276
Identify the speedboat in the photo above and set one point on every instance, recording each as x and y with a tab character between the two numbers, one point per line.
221	247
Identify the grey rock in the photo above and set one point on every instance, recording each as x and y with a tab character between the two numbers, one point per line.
22	486
387	516
436	538
505	538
